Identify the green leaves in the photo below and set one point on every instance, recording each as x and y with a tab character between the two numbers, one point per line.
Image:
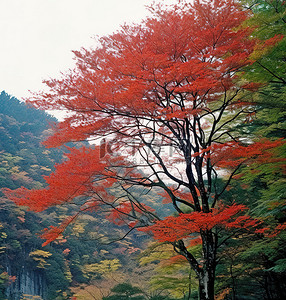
125	291
261	256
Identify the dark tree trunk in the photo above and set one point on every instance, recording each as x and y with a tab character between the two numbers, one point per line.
207	272
206	285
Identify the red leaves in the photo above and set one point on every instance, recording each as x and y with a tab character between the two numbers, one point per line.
252	86
232	154
164	78
229	155
51	234
73	178
262	47
188	50
185	225
279	228
75	129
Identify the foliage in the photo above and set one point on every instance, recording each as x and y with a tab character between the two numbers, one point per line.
125	291
19	228
39	257
259	262
4	280
22	160
270	117
166	91
172	274
104	268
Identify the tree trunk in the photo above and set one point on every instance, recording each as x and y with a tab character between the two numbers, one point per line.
206	270
207	273
206	285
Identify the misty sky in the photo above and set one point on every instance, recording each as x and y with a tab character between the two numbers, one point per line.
37	36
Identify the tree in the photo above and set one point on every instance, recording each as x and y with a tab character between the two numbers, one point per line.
269	120
125	291
104	268
263	258
172	273
166	94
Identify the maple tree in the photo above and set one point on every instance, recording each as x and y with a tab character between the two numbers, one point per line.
167	96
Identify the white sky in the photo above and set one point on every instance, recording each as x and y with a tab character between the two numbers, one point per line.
37	36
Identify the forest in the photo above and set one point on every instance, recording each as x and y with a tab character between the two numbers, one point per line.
166	178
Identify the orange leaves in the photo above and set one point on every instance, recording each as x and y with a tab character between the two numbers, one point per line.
202	152
279	228
66	251
75	129
73	178
160	81
177	259
233	153
186	50
53	232
174	228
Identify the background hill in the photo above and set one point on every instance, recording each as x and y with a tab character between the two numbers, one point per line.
25	267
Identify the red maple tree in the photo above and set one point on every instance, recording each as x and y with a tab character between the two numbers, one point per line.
167	96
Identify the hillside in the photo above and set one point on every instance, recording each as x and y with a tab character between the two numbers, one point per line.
23	161
72	262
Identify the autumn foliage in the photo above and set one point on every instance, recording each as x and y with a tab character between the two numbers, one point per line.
73	178
172	228
167	95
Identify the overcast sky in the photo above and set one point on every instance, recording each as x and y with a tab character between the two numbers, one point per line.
37	36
